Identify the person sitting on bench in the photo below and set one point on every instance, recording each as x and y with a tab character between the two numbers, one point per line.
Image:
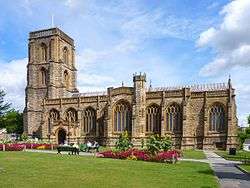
95	146
75	149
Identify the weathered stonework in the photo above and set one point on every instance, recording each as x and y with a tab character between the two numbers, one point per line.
54	106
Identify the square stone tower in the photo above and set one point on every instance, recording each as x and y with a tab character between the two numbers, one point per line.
51	73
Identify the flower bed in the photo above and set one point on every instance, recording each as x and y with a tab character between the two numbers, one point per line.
12	147
38	146
136	154
22	146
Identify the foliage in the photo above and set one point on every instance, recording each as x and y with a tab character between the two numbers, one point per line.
243	135
22	146
167	156
24	137
5	140
4	106
248	120
240	155
123	143
12	121
156	144
136	154
142	143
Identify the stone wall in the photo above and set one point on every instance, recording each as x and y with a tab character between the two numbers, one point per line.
194	101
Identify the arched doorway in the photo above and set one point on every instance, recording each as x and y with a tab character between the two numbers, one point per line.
61	136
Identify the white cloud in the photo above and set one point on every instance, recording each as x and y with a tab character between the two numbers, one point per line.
230	40
13	81
231	43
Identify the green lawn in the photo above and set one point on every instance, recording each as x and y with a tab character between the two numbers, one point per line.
246	167
239	154
23	169
193	154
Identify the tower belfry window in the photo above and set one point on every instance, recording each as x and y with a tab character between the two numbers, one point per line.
66	79
65	55
43	77
43	52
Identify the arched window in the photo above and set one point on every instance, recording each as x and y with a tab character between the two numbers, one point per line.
43	77
89	121
65	55
217	118
122	117
174	118
66	79
51	43
71	115
54	115
153	119
43	52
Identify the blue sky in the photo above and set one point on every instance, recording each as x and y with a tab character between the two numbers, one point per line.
175	42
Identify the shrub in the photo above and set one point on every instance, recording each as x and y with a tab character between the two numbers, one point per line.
156	144
123	143
24	137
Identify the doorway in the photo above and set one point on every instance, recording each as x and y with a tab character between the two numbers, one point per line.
61	136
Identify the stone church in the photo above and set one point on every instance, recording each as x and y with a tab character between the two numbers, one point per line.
197	116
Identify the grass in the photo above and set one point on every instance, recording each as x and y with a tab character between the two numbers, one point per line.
193	154
23	169
239	154
246	167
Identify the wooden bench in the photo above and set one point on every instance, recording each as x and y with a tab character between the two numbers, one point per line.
72	150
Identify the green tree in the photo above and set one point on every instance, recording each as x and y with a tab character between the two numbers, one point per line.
244	134
248	120
12	121
4	106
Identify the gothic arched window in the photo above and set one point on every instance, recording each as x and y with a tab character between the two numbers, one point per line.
71	115
217	118
43	77
66	79
153	119
51	43
43	52
89	120
54	115
65	55
174	118
122	117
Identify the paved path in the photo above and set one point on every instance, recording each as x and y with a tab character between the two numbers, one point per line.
55	152
229	176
